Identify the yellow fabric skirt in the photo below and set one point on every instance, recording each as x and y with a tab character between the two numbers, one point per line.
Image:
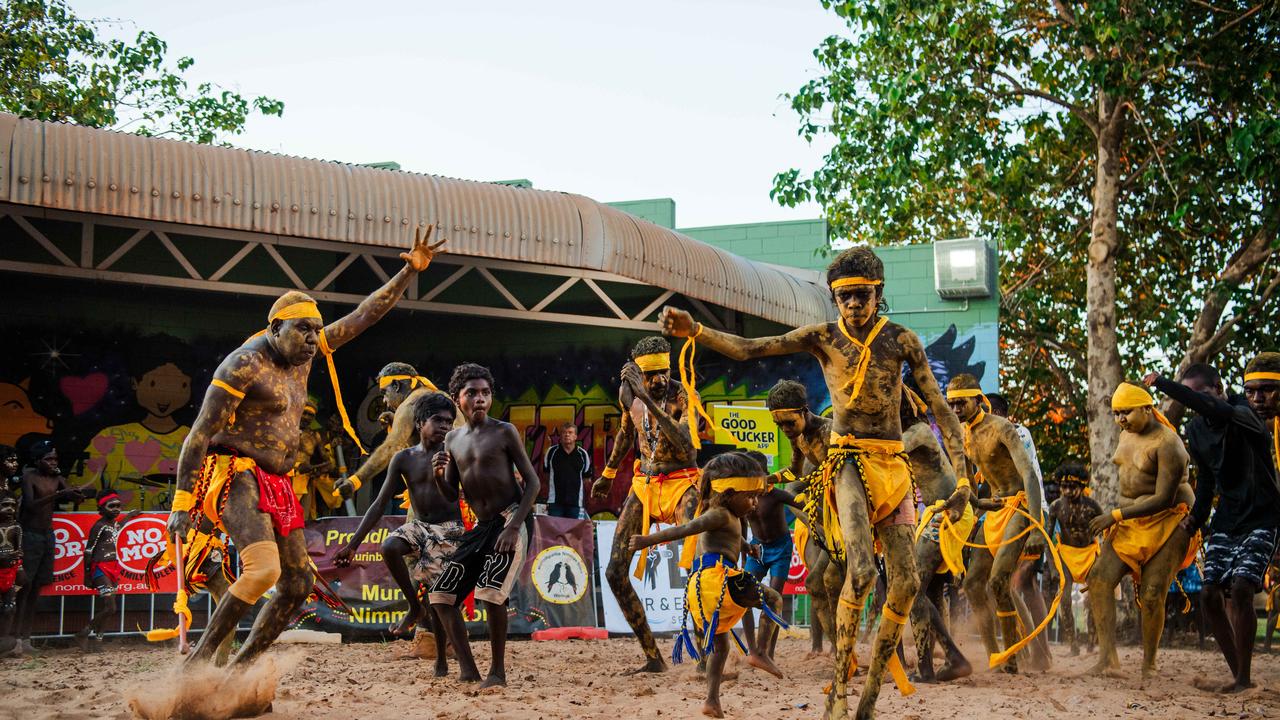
706	592
885	473
1079	560
1136	540
997	520
951	541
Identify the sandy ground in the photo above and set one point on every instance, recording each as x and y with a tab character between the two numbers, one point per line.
583	679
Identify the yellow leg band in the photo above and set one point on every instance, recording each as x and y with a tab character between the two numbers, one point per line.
261	562
1011	613
892	615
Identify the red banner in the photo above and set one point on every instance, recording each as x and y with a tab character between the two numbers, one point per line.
797	574
138	540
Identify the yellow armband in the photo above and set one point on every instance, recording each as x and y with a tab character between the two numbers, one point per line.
355	481
1117	515
182	501
963	483
609	473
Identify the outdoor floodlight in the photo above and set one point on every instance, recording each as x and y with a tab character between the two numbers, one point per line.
962	268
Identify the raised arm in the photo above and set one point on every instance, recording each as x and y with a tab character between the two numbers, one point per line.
391	484
371	309
1207	406
679	323
952	433
1012	442
399	436
676	431
713	519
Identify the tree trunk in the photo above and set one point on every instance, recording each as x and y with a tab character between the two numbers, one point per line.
1104	355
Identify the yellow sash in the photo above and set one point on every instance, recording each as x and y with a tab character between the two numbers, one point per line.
1079	560
1136	540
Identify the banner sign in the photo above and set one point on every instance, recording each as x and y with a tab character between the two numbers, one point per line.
139	539
553	590
746	427
661	590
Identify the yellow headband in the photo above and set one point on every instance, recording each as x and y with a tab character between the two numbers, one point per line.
848	281
1128	397
794	409
1261	376
654	362
963	393
309	406
415	381
297	311
740	483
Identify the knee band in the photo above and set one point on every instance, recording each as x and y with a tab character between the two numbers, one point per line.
261	569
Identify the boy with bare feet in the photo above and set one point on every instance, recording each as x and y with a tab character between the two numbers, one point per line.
1233	444
939	549
11	576
864	490
480	457
993	445
1077	547
769	552
432	535
718	594
102	571
1148	539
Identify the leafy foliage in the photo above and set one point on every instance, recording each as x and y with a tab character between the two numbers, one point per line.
953	118
57	66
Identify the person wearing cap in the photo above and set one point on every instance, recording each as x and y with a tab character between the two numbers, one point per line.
1144	536
233	468
43	489
864	489
1233	447
102	571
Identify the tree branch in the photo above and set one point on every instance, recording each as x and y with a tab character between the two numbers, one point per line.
1020	90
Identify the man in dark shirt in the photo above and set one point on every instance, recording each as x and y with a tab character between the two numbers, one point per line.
568	467
1232	451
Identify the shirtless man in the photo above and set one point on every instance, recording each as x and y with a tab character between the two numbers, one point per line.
432	535
664	486
939	553
481	455
788	402
310	464
402	388
718	595
1071	515
1148	540
992	444
769	552
861	356
43	488
232	467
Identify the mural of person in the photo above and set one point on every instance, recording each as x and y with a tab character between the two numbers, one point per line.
137	451
17	417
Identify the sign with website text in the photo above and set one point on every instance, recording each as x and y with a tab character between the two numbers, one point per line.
139	539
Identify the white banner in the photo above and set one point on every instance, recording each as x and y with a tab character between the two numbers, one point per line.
661	590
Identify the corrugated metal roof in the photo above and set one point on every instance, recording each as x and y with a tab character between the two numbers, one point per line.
76	168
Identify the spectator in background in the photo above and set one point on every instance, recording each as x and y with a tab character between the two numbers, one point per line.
43	488
568	468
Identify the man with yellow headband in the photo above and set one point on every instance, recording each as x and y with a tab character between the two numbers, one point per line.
1232	441
1144	533
233	465
864	491
808	434
939	543
664	477
312	482
994	448
719	594
402	387
1071	514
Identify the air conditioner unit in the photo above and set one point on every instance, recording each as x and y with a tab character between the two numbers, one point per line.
962	268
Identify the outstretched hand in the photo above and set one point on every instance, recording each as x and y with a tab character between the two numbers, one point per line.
676	322
1150	379
422	253
601	488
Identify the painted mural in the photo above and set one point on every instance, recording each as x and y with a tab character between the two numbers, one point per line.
119	403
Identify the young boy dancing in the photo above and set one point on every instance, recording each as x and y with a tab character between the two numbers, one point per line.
718	593
481	454
432	535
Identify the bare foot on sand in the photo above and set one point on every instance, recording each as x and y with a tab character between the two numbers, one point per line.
406	624
442	668
469	677
712	709
1104	669
765	663
955	671
651	666
816	654
494	681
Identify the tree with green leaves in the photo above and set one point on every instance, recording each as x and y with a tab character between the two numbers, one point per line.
57	66
1121	155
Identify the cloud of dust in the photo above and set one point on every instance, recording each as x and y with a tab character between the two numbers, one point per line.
205	692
